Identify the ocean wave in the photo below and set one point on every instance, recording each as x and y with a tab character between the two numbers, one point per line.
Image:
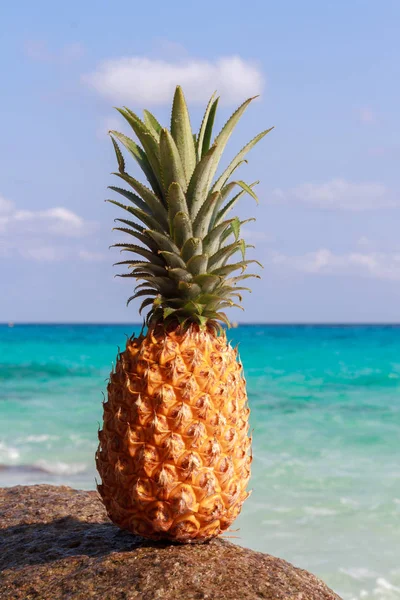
385	590
349	502
362	379
8	453
60	468
319	511
20	469
44	466
39	371
378	588
37	439
359	573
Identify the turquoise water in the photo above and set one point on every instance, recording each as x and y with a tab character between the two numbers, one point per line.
326	416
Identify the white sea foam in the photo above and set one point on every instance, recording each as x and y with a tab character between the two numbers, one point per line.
8	453
39	438
383	590
317	511
270	522
359	573
386	585
61	468
349	502
281	509
79	441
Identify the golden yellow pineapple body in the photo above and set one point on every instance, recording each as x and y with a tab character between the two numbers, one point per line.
174	450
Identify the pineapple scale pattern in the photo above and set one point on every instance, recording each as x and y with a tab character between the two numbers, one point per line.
174	449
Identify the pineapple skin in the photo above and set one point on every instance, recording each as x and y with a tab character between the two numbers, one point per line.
174	451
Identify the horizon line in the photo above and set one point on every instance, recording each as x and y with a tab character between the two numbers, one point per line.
234	323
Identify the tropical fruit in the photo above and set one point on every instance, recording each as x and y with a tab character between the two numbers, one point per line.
174	453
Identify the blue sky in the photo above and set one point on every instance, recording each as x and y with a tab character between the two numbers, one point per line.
327	227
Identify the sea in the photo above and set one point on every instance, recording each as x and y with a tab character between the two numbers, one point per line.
325	415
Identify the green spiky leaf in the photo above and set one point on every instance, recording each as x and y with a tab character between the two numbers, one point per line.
247	189
178	274
199	184
156	207
140	157
164	242
167	312
148	141
219	258
235	226
182	133
191	247
181	228
207	282
221	214
144	292
212	241
176	200
238	160
120	158
203	127
150	256
173	260
209	127
151	123
143	238
171	163
183	265
139	214
197	265
147	302
222	138
201	224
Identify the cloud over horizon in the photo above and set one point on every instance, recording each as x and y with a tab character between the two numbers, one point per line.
378	265
148	81
58	221
339	194
35	234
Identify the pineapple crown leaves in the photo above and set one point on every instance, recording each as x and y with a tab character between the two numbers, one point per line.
188	265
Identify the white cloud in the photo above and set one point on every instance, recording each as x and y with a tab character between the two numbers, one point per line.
339	194
6	206
148	81
39	50
37	235
378	265
54	221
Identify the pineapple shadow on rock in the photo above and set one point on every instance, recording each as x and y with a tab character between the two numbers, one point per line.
174	453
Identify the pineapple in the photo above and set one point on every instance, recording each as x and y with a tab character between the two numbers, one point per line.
174	452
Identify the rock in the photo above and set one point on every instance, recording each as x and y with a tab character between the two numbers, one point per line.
56	542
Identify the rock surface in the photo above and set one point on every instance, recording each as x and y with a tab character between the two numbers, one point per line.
56	542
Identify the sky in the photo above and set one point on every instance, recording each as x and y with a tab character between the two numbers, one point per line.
328	220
